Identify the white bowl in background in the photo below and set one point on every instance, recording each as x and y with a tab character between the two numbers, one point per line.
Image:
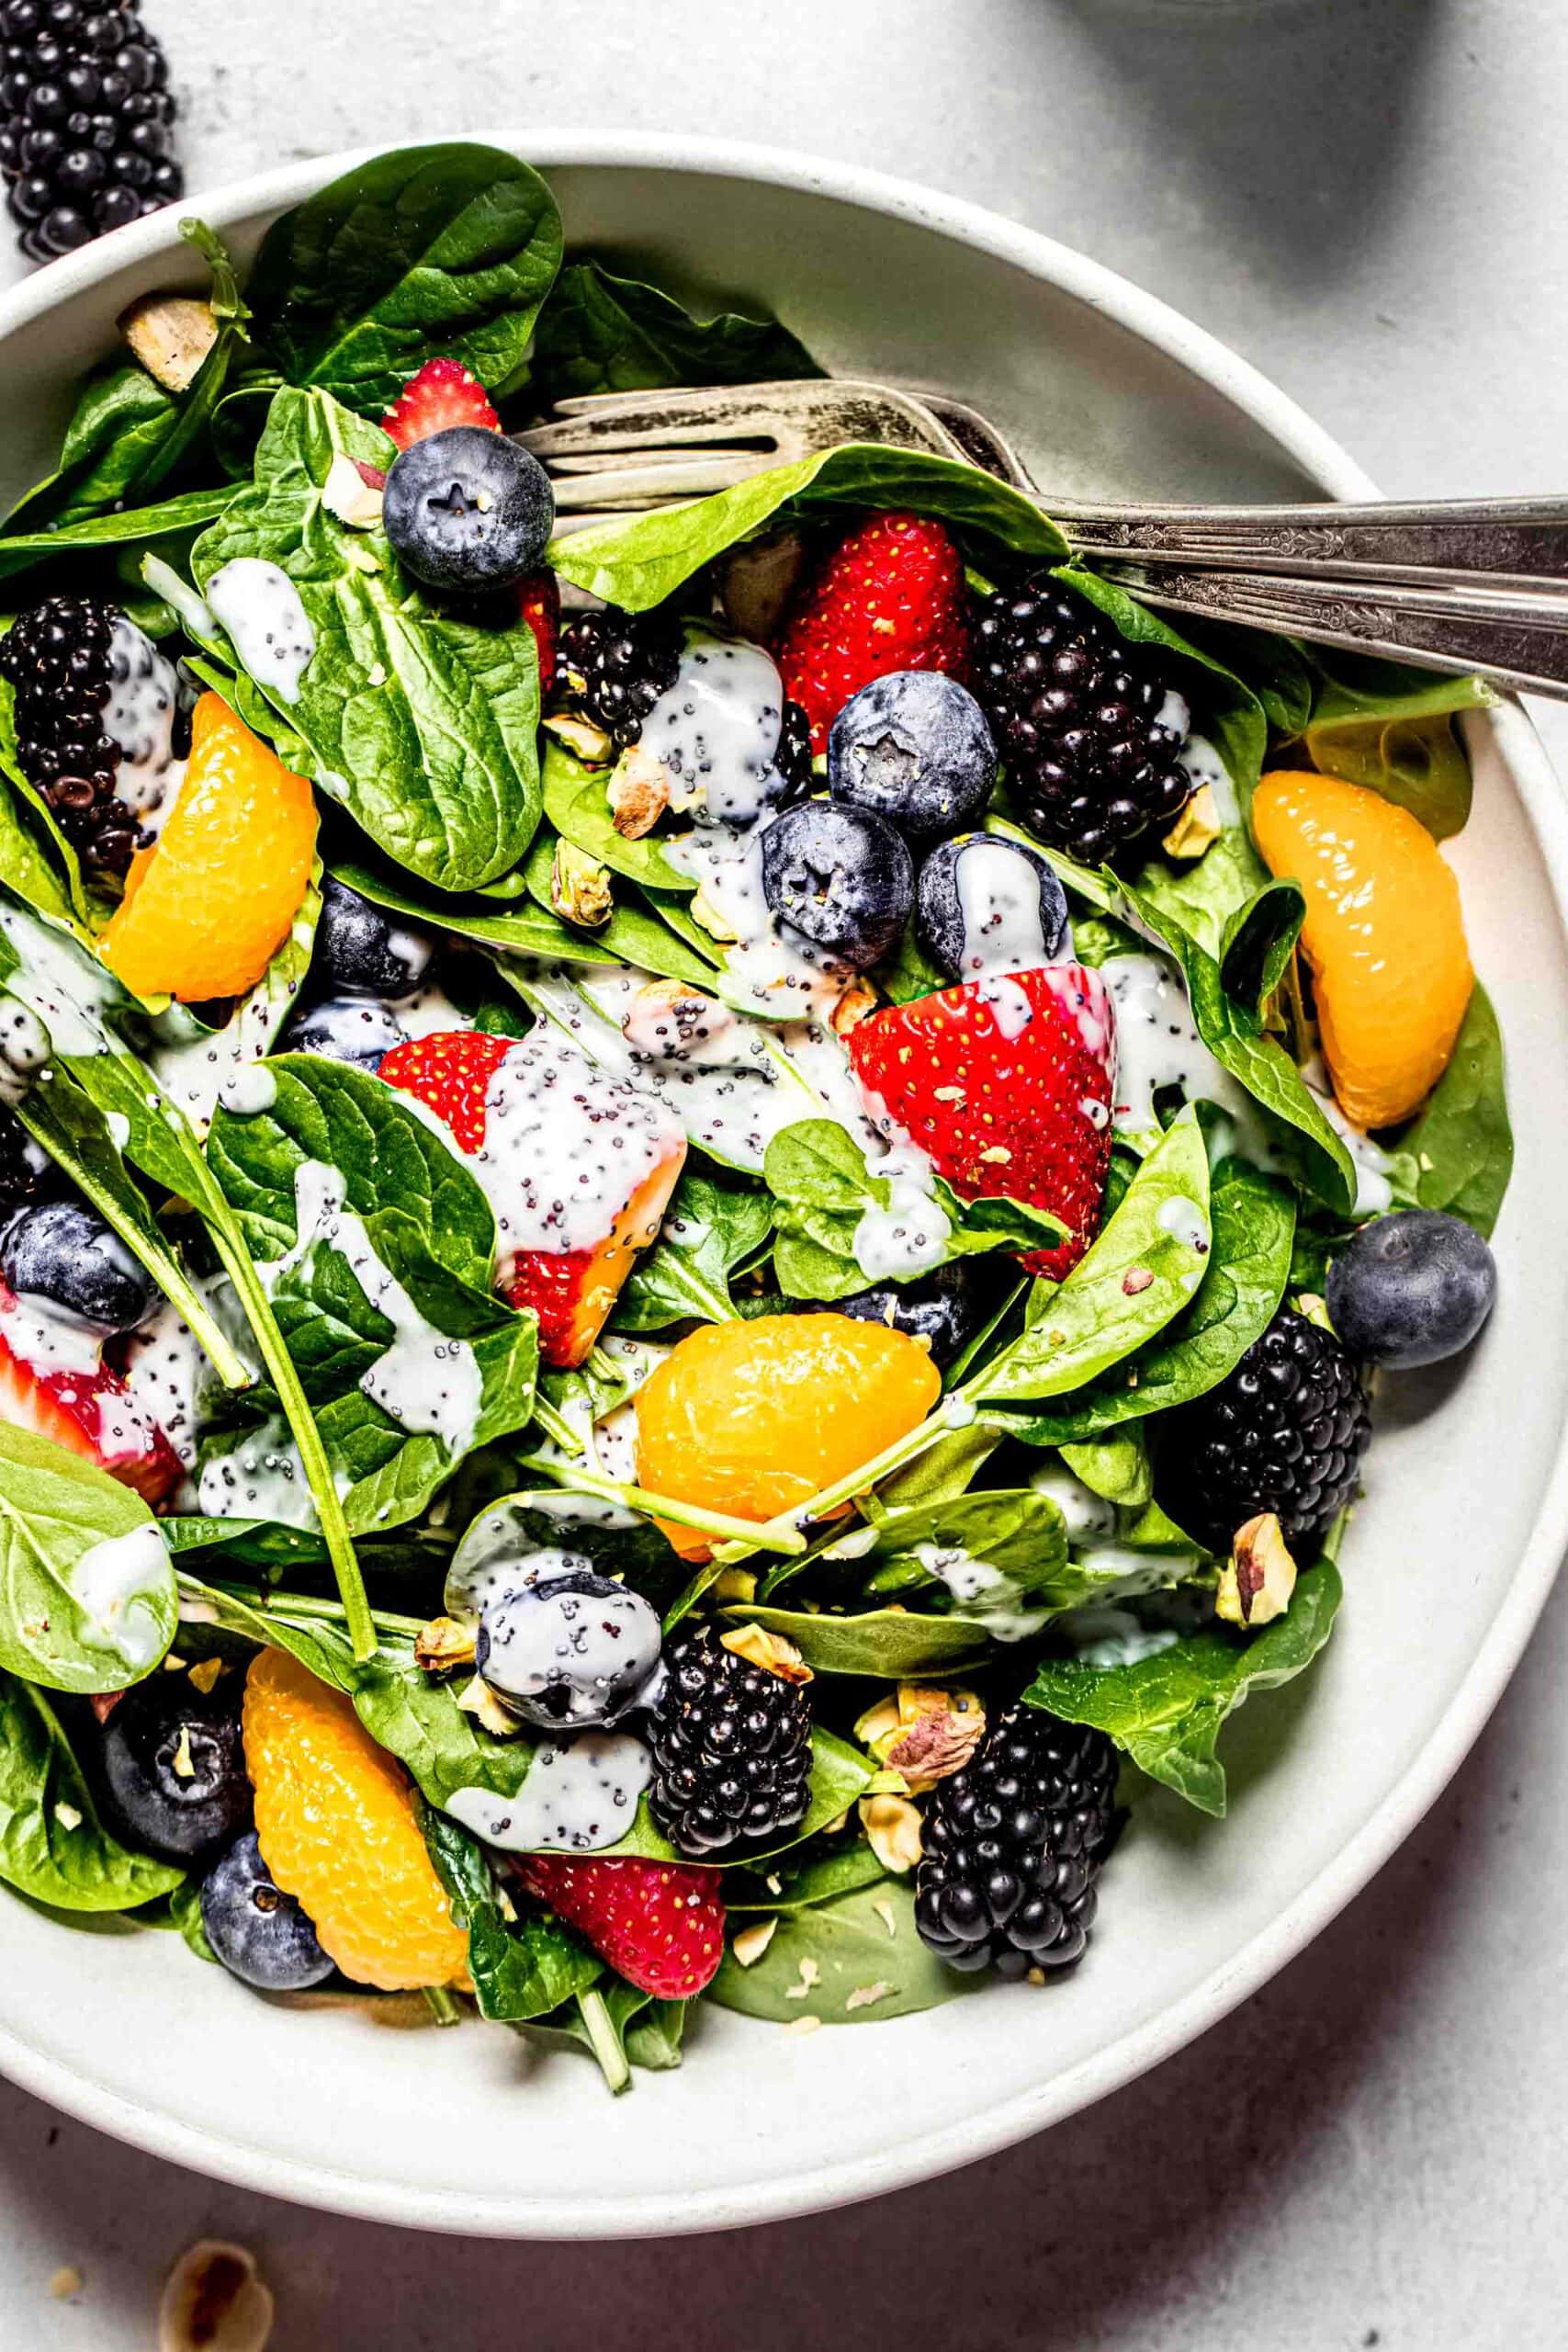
1448	1562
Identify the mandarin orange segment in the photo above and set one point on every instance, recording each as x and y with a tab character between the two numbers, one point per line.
208	904
752	1418
335	1822
1385	937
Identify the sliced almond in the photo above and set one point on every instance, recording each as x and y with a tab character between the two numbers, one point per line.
892	1826
770	1651
586	741
752	1942
347	494
1197	828
171	334
481	1701
215	2301
858	1000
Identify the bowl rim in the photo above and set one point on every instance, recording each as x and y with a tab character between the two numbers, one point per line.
1000	2126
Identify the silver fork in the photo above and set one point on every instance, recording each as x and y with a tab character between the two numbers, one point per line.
1458	586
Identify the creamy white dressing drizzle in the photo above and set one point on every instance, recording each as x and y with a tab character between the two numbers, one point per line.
1157	1045
260	609
581	1794
69	993
1088	1516
1205	765
717	729
117	1584
262	1477
981	1591
138	719
24	1049
998	897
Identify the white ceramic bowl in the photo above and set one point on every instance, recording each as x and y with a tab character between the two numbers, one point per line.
1447	1565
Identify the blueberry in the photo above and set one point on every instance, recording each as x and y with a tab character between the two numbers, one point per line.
174	1766
946	1308
360	951
259	1933
1411	1288
344	1029
65	1253
840	875
569	1651
987	905
468	510
914	747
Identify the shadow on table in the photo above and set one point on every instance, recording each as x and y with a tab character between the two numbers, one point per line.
1284	122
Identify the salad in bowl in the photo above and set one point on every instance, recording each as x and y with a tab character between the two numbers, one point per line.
698	1218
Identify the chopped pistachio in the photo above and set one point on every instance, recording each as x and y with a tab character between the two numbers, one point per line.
1256	1585
579	886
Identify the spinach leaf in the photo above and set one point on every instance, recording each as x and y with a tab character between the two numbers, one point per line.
1144	1267
577	804
619	2025
854	1957
710	1230
423	1235
1207	897
184	1915
87	1599
1249	1261
1118	1467
53	1845
1166	1711
639	562
1391	728
1462	1147
521	1970
1236	1038
187	511
1260	939
794	1885
600	332
444	249
420	723
892	1643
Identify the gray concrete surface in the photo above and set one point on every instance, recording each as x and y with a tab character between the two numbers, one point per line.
1366	197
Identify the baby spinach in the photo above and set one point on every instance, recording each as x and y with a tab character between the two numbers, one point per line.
430	1225
858	1957
1206	897
420	723
187	511
1249	1263
1142	1270
57	1626
892	1643
795	1884
639	562
619	2025
1391	728
577	804
1259	941
1462	1147
600	332
520	1970
1118	1466
447	249
1166	1711
710	1230
53	1844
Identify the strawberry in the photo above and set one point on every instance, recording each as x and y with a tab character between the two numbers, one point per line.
1007	1084
891	597
659	1925
539	599
70	1396
555	1144
443	393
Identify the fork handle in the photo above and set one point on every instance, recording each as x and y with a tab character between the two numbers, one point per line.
1518	641
1514	537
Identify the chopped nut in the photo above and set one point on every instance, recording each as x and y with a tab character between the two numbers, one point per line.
586	741
347	494
181	1763
1036	1976
481	1701
668	1020
171	334
802	2025
948	1094
924	1734
810	1976
1136	1279
881	1722
67	1816
998	1154
770	1651
883	1910
205	1675
734	1585
756	582
865	1997
638	793
752	1942
1196	826
67	2282
1255	1587
215	2301
712	919
444	1644
858	1000
892	1826
579	886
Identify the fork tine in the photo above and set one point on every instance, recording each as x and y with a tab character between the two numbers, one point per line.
659	484
651	420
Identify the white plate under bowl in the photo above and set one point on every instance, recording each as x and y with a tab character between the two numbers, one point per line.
1447	1565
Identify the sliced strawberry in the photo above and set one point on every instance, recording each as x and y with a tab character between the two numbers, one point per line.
80	1405
1008	1085
891	597
443	393
659	1925
568	1125
539	598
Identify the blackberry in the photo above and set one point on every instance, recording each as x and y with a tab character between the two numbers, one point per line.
64	661
1284	1433
1080	719
86	120
731	1748
1012	1846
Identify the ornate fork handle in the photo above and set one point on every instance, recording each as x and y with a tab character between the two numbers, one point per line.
1517	538
1502	635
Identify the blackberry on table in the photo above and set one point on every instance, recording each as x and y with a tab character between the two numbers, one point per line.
731	1748
60	659
86	120
1285	1432
1079	718
1012	1845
